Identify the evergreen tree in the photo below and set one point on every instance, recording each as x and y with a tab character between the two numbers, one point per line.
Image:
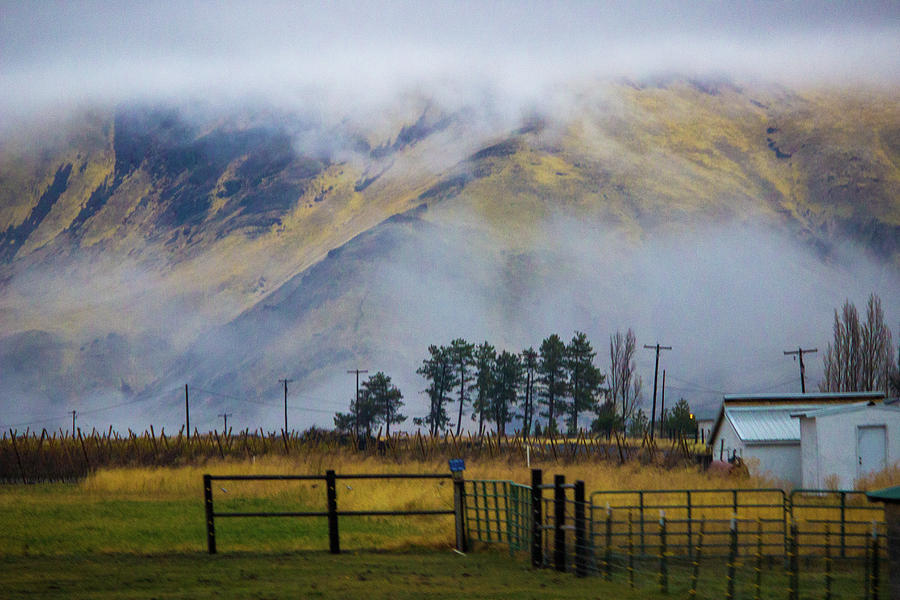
461	354
379	402
437	369
552	379
608	419
485	356
507	378
680	421
386	399
584	378
529	366
362	408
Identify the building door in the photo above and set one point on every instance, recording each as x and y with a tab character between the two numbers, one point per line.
870	449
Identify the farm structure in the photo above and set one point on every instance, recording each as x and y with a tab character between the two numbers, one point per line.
766	427
840	444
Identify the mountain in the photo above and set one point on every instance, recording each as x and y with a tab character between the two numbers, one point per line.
147	246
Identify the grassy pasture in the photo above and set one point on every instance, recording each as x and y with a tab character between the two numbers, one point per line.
139	533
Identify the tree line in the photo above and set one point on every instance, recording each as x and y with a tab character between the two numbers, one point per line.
546	390
555	387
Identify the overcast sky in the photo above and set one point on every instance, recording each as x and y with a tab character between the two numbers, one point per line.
54	53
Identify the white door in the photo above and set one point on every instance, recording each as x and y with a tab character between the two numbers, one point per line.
870	449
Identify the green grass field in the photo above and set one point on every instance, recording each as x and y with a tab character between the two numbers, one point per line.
83	541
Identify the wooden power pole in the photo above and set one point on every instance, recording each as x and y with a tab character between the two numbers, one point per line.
356	410
657	347
799	352
285	382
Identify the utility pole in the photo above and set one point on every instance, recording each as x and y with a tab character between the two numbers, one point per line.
285	382
187	413
225	417
662	408
73	423
800	352
657	347
356	410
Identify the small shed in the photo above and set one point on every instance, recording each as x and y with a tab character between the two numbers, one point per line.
840	444
763	427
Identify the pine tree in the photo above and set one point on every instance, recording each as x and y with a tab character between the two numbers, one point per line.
529	366
584	378
362	410
461	354
507	378
386	399
680	421
437	369
485	356
552	379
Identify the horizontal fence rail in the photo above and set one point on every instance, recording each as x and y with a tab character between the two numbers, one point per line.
332	513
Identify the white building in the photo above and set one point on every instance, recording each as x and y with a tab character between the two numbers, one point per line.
762	427
840	444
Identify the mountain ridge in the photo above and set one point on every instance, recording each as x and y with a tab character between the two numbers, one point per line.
226	214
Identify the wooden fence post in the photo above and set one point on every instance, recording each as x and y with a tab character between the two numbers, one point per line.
581	544
459	509
18	458
210	515
334	542
559	520
537	557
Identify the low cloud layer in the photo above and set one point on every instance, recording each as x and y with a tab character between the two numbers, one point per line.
339	56
728	298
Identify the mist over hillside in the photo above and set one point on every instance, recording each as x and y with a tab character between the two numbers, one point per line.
231	217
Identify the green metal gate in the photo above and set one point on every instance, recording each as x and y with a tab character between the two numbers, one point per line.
498	512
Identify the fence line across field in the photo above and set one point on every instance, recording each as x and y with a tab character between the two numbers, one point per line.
644	536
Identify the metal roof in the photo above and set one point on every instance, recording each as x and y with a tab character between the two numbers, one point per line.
759	424
844	408
891	494
808	397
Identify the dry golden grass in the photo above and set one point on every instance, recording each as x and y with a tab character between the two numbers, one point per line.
186	481
889	477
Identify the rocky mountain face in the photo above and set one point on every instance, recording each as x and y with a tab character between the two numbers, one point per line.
149	246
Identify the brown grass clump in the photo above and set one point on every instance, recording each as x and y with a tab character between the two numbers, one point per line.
888	477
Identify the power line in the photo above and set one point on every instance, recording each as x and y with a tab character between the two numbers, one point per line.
90	411
696	386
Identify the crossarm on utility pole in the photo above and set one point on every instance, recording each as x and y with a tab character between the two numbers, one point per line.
799	352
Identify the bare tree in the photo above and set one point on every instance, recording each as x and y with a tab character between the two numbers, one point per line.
624	385
860	357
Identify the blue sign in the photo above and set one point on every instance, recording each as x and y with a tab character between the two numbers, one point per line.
457	465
